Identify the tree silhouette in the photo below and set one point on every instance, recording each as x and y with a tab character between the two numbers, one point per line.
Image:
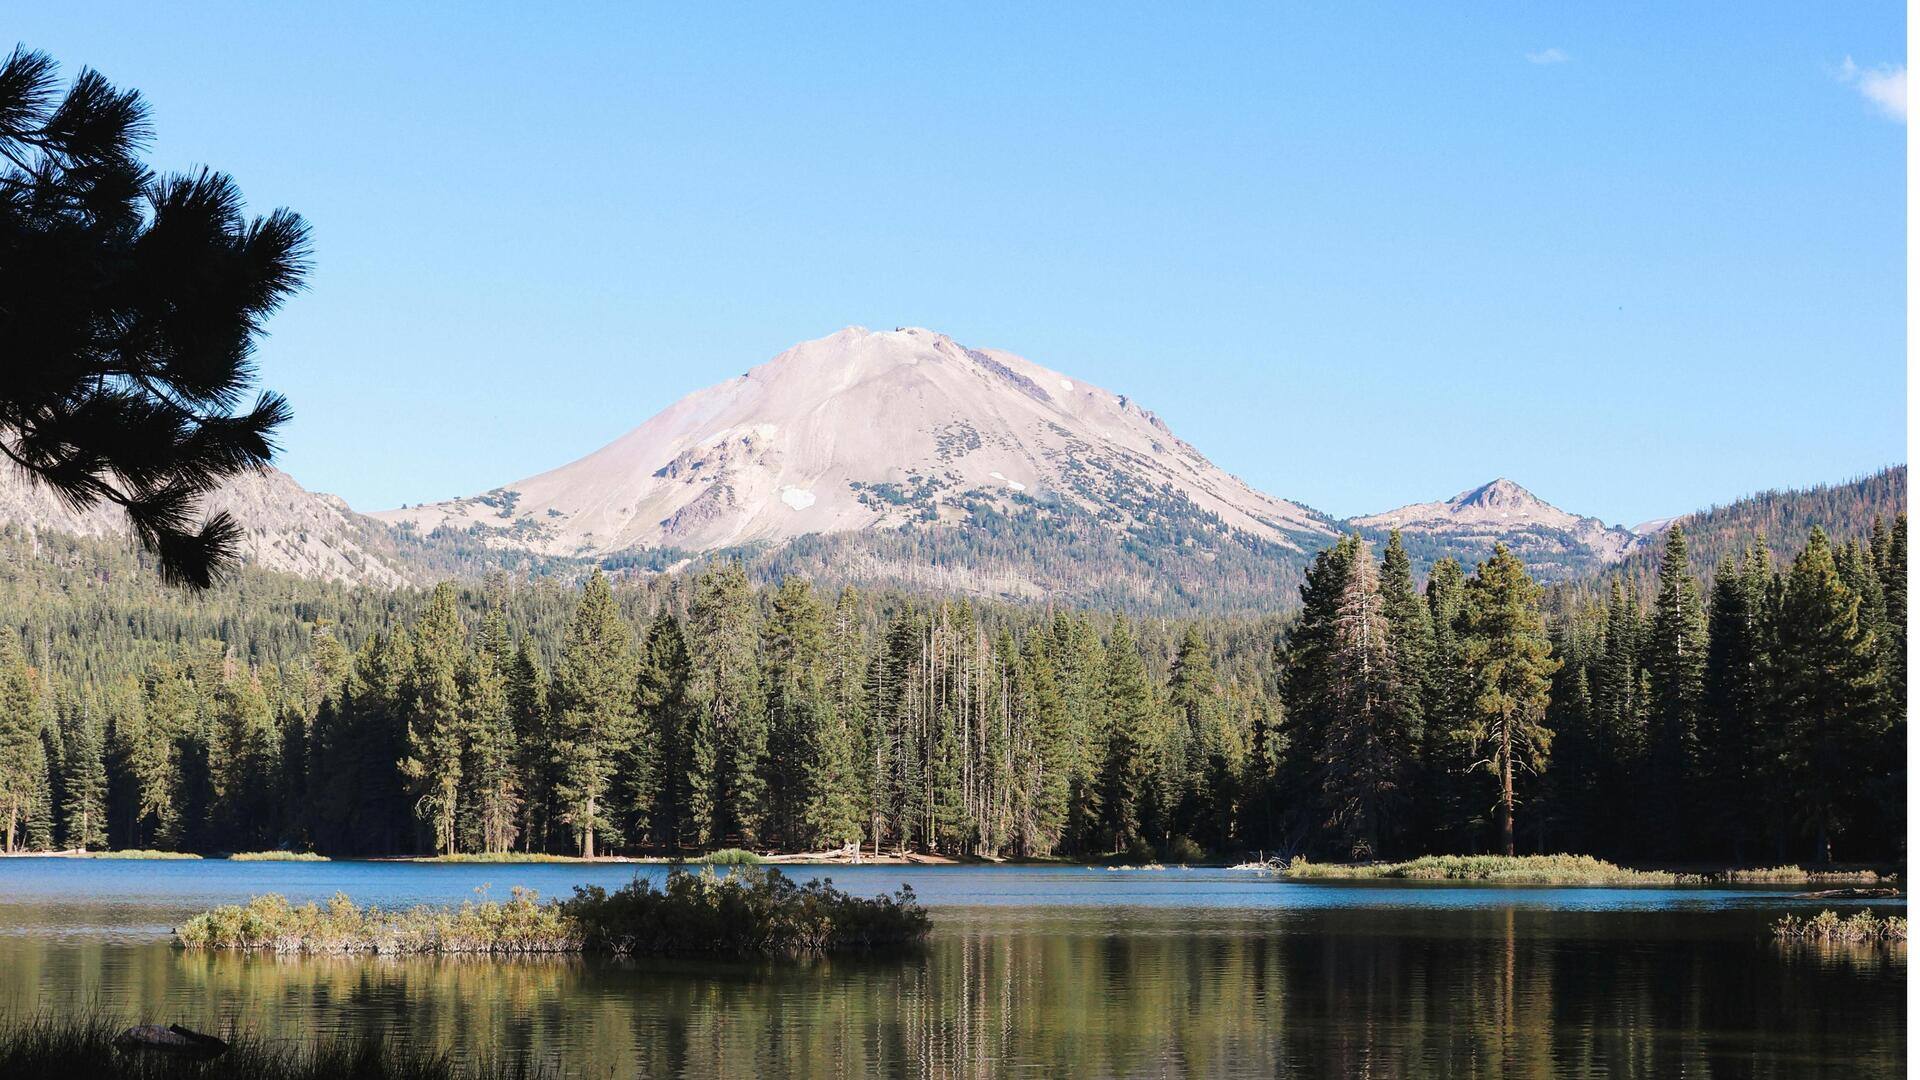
129	305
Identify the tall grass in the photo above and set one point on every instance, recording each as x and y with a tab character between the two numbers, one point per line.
141	853
271	924
1499	869
501	857
751	910
276	856
72	1047
1786	875
1861	928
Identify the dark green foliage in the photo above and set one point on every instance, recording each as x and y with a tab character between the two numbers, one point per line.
748	912
272	713
132	306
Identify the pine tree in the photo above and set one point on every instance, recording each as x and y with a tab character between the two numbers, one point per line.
666	721
839	800
1204	789
1410	632
1733	728
595	714
23	763
1129	709
492	758
1446	742
245	764
729	791
1675	652
1827	687
84	811
1509	656
436	735
1366	729
796	711
535	764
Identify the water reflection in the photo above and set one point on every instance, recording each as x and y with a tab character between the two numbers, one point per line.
1338	991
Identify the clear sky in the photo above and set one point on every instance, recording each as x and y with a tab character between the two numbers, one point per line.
1638	258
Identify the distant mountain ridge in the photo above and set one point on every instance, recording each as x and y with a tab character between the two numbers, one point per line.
896	459
1555	544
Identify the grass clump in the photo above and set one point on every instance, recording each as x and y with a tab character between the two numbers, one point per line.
276	856
141	853
61	1047
731	856
749	911
1787	875
1861	928
1498	869
521	925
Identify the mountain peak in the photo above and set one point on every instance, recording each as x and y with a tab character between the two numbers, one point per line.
862	430
1499	493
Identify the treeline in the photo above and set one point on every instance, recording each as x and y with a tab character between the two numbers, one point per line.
1758	718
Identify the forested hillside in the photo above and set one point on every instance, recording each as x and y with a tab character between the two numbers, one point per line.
1759	719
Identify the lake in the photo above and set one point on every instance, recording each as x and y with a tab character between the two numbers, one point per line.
1040	971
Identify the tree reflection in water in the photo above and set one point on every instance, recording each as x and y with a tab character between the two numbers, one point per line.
1403	992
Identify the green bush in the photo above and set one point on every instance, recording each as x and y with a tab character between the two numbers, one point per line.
276	856
748	911
731	856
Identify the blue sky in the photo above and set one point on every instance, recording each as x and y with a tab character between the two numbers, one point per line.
1637	258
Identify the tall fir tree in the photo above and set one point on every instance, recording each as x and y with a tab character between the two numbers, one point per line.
436	735
1510	658
1675	652
593	700
1827	685
729	747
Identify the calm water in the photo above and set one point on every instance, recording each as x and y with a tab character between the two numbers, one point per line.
1035	971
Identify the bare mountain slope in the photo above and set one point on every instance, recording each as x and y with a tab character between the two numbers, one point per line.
864	430
288	528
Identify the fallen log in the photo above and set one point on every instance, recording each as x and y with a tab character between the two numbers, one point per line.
172	1039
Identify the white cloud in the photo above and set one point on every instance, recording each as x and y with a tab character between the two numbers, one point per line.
1885	86
1548	56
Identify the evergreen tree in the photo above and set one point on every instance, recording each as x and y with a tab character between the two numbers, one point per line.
1827	694
533	723
838	805
1446	743
23	763
666	718
1675	651
595	714
1509	656
84	809
1129	711
729	747
796	711
436	735
1733	731
492	753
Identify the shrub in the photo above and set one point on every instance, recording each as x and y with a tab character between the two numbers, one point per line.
519	925
276	856
141	853
748	911
731	856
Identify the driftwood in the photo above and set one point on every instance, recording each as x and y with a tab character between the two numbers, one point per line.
172	1039
1850	894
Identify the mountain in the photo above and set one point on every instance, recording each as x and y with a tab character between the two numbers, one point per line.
1555	544
905	457
288	528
